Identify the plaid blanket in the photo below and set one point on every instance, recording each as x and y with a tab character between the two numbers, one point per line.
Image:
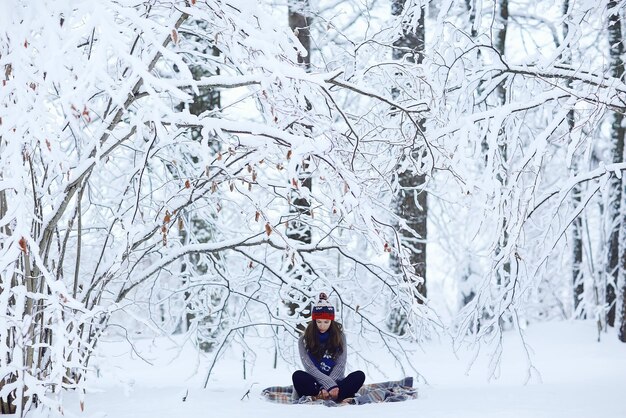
393	391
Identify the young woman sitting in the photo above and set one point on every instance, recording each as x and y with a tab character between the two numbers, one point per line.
323	351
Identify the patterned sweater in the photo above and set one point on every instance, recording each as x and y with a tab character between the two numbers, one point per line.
336	373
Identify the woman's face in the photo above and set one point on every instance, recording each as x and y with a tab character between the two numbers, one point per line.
323	325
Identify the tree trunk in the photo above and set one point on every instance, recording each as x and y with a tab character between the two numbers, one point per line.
577	242
616	266
622	267
7	403
503	276
300	23
467	290
577	226
411	203
300	209
616	53
207	99
500	41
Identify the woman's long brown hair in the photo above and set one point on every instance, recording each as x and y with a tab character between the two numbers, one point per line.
312	340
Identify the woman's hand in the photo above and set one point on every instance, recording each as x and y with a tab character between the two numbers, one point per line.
323	394
334	393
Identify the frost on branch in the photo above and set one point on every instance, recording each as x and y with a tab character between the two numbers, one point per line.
116	197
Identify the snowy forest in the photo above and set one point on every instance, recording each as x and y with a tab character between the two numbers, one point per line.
204	168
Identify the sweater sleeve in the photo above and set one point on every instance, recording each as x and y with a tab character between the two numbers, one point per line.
325	381
339	371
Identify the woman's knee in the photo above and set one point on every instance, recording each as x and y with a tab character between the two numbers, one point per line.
359	376
297	375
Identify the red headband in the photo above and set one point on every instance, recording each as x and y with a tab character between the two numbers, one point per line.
323	314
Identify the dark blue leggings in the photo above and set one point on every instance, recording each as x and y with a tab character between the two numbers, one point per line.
306	385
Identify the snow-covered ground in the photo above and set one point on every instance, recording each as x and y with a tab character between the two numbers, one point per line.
576	377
